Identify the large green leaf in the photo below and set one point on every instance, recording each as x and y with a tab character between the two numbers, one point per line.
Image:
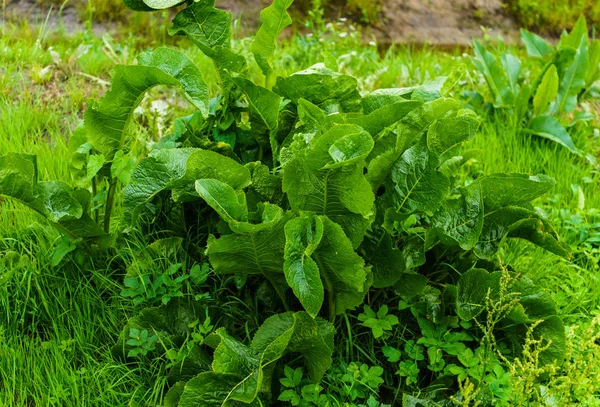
384	97
169	322
312	338
319	257
386	261
389	146
495	75
177	169
472	290
593	63
500	190
459	220
151	5
512	67
257	250
551	129
385	116
533	305
415	183
64	206
331	91
210	29
572	67
546	91
539	232
327	178
445	133
537	47
106	121
264	112
229	203
303	236
208	389
241	372
274	19
343	271
496	226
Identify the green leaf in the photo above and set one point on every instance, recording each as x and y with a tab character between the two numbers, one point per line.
537	47
303	236
496	226
385	116
208	389
343	271
170	169
415	184
593	63
327	178
495	75
572	68
210	29
551	129
546	91
122	167
106	121
445	133
229	203
174	395
472	289
459	220
512	67
264	112
453	79
538	232
318	257
312	338
151	5
350	149
66	207
389	146
241	372
411	285
383	97
329	90
169	321
257	251
94	165
386	260
274	19
500	190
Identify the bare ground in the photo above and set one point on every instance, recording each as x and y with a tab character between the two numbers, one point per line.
444	23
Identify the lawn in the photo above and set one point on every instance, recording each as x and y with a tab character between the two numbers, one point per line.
227	220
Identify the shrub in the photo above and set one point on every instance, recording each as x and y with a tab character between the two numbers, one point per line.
316	203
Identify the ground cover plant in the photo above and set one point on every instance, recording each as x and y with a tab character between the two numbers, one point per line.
290	229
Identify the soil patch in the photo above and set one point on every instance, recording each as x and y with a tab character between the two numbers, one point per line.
444	23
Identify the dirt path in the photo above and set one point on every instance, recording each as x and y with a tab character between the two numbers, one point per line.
445	23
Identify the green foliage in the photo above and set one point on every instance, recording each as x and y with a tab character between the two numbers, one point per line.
542	106
312	201
554	16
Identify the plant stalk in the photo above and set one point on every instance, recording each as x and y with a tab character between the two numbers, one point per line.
110	199
279	292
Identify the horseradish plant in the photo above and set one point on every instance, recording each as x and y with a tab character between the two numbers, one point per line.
568	72
326	198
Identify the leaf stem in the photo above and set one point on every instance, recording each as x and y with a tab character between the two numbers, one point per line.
94	192
278	290
110	199
328	287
